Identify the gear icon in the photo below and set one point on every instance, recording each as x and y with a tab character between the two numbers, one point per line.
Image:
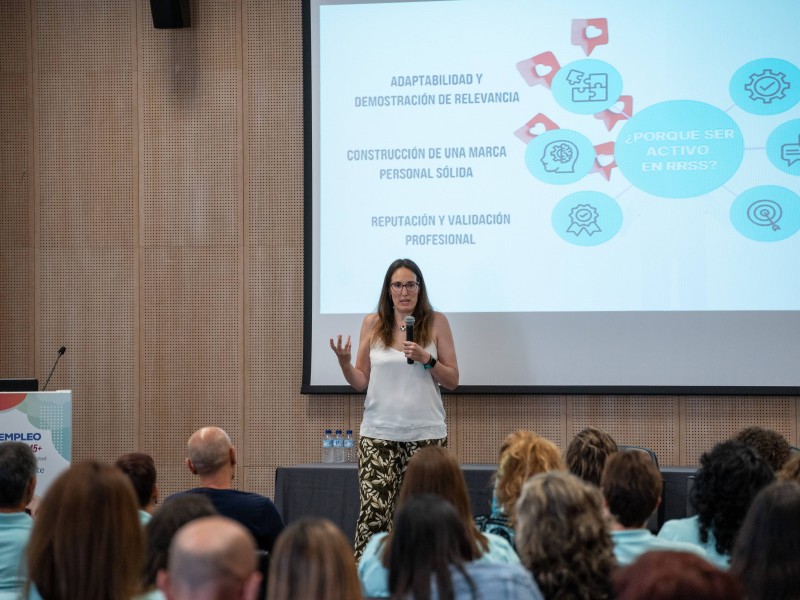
767	86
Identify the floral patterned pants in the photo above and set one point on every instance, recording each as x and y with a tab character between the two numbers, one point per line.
381	465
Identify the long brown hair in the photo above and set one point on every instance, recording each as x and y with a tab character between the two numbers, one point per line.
87	540
435	470
423	311
313	559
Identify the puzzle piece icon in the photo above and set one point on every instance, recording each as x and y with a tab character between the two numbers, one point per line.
592	88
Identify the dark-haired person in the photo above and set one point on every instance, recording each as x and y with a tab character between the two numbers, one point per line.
765	555
588	452
771	445
403	409
431	557
17	484
674	576
141	470
730	476
160	530
432	470
631	484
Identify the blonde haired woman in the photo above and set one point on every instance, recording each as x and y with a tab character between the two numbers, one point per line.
523	454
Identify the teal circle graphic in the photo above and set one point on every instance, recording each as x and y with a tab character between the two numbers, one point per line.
587	86
559	156
679	149
767	86
783	147
767	213
587	218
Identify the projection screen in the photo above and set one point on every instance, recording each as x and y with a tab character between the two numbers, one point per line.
601	197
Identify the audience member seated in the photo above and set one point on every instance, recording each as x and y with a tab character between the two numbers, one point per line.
730	476
771	445
631	484
431	557
313	559
765	555
587	453
790	470
141	470
87	541
211	558
159	532
432	470
522	455
674	576
212	458
17	484
563	537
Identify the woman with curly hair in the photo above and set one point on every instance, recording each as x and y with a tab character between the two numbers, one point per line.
771	445
587	453
765	554
523	454
563	537
432	470
730	476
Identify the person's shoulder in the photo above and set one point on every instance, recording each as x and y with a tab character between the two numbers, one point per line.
503	580
371	572
500	550
183	493
679	529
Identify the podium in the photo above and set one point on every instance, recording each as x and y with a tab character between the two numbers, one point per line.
43	420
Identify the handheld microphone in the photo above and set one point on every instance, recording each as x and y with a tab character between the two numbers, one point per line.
60	354
410	334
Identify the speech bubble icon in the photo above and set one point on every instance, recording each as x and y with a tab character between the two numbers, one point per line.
589	33
539	69
535	127
790	153
604	161
621	111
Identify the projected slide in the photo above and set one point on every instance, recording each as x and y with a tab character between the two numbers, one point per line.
568	157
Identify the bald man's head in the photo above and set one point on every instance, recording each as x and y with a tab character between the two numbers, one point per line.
211	557
209	450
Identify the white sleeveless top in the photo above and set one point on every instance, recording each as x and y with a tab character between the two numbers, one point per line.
403	402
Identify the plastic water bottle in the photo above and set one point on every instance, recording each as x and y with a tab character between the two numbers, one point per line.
327	447
349	447
338	447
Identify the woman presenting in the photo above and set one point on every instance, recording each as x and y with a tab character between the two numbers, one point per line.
403	410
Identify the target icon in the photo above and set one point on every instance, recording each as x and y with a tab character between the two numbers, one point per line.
765	213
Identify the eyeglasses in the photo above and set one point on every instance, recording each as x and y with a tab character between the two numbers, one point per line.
411	286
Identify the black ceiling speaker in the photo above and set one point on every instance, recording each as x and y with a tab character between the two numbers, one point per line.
170	14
